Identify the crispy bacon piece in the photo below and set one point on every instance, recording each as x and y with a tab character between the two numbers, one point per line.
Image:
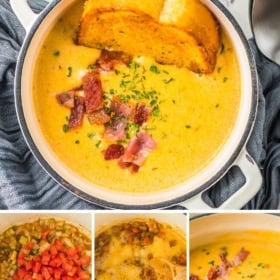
114	151
109	59
115	129
224	269
225	261
120	109
141	114
66	98
241	257
137	150
98	117
77	113
194	277
93	91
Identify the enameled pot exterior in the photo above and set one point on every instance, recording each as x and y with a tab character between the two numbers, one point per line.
187	195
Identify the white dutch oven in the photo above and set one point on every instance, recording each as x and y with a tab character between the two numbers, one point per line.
189	194
206	229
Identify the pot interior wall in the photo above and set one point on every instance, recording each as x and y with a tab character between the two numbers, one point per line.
207	229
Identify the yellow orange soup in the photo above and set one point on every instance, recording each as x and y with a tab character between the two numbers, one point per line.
195	115
262	262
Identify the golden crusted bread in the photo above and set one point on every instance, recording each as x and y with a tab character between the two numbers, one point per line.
180	32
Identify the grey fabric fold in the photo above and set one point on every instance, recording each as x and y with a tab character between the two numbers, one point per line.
25	185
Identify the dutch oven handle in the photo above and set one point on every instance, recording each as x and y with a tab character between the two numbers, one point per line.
253	183
24	13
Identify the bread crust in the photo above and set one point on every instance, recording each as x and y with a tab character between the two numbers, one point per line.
137	32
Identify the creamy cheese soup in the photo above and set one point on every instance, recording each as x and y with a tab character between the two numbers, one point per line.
238	255
140	249
191	115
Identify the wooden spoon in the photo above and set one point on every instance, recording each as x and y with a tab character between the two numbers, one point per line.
166	270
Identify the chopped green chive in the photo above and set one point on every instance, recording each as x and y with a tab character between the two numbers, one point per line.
91	67
69	71
187	126
97	145
154	69
77	142
153	102
219	69
212	263
56	53
222	48
225	79
168	81
90	135
65	128
155	111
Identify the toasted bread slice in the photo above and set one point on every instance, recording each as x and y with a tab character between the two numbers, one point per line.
157	28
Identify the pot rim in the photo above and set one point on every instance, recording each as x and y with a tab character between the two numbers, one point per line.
108	204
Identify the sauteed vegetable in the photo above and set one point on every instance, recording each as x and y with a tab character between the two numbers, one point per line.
44	249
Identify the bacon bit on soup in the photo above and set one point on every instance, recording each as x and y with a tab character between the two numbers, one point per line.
109	59
141	114
93	91
115	129
138	149
241	257
224	269
122	120
77	113
98	117
120	109
66	98
114	151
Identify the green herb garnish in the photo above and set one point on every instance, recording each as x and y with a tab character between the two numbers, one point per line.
97	145
168	81
65	128
69	73
154	69
222	48
56	53
91	66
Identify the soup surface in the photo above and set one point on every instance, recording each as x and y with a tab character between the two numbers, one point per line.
38	249
139	249
191	117
238	255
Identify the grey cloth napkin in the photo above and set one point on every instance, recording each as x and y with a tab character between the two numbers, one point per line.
25	185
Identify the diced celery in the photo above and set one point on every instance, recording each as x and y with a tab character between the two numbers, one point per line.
23	240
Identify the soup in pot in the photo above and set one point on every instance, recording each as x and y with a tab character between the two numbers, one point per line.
156	125
238	255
